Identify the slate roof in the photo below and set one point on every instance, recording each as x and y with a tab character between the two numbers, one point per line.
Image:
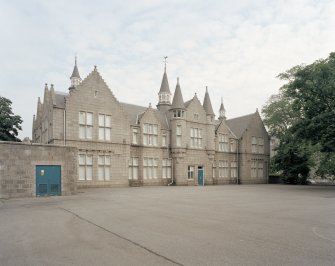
135	112
178	101
60	99
75	73
239	124
165	85
207	104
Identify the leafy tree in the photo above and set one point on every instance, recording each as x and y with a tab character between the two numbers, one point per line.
312	90
10	124
279	115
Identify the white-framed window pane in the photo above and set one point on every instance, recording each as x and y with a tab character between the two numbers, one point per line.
107	160
101	120
82	132
135	173
101	173
89	119
168	175
107	173
164	141
89	132
135	161
82	172
101	133
108	134
108	121
178	141
82	118
155	129
89	172
81	159
101	160
89	160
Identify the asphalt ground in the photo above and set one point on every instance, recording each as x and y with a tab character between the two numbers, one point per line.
211	225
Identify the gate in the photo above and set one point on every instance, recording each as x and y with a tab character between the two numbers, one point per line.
48	180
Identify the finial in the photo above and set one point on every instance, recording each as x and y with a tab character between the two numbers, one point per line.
165	57
95	67
177	80
222	100
46	86
75	60
206	89
149	105
52	86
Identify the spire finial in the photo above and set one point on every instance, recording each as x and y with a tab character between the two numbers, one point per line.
177	80
206	89
165	57
222	100
75	60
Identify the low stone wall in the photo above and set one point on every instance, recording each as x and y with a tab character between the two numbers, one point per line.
18	163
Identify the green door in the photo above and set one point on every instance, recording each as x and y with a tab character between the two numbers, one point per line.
200	176
48	180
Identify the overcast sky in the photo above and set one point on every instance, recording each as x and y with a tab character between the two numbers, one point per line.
236	48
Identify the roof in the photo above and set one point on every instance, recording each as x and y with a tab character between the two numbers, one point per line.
60	99
165	85
75	73
207	104
239	124
135	112
178	101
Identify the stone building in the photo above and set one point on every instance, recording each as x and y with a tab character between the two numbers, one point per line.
178	142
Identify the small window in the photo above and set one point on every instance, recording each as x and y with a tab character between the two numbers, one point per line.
190	172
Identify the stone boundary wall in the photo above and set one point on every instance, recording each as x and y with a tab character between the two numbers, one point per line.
18	163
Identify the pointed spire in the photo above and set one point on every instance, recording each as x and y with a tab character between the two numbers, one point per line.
165	84
75	73
222	111
207	104
178	102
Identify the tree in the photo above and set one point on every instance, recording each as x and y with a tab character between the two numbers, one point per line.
279	115
312	90
10	124
302	116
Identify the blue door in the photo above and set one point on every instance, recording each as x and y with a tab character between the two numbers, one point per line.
200	176
48	180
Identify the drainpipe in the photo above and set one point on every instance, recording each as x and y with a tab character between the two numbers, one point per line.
237	163
64	128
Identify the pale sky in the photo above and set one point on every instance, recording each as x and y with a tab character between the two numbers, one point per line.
236	48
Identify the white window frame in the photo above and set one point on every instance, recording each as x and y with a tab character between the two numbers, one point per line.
135	136
150	134
133	168
104	167
196	137
178	135
85	125
261	145
190	172
105	127
150	168
223	142
253	172
233	169
85	167
254	145
166	168
223	168
164	140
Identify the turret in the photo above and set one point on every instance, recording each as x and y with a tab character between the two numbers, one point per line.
222	111
164	95
208	108
75	77
178	106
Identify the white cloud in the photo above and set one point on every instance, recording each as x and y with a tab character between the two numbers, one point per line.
237	48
